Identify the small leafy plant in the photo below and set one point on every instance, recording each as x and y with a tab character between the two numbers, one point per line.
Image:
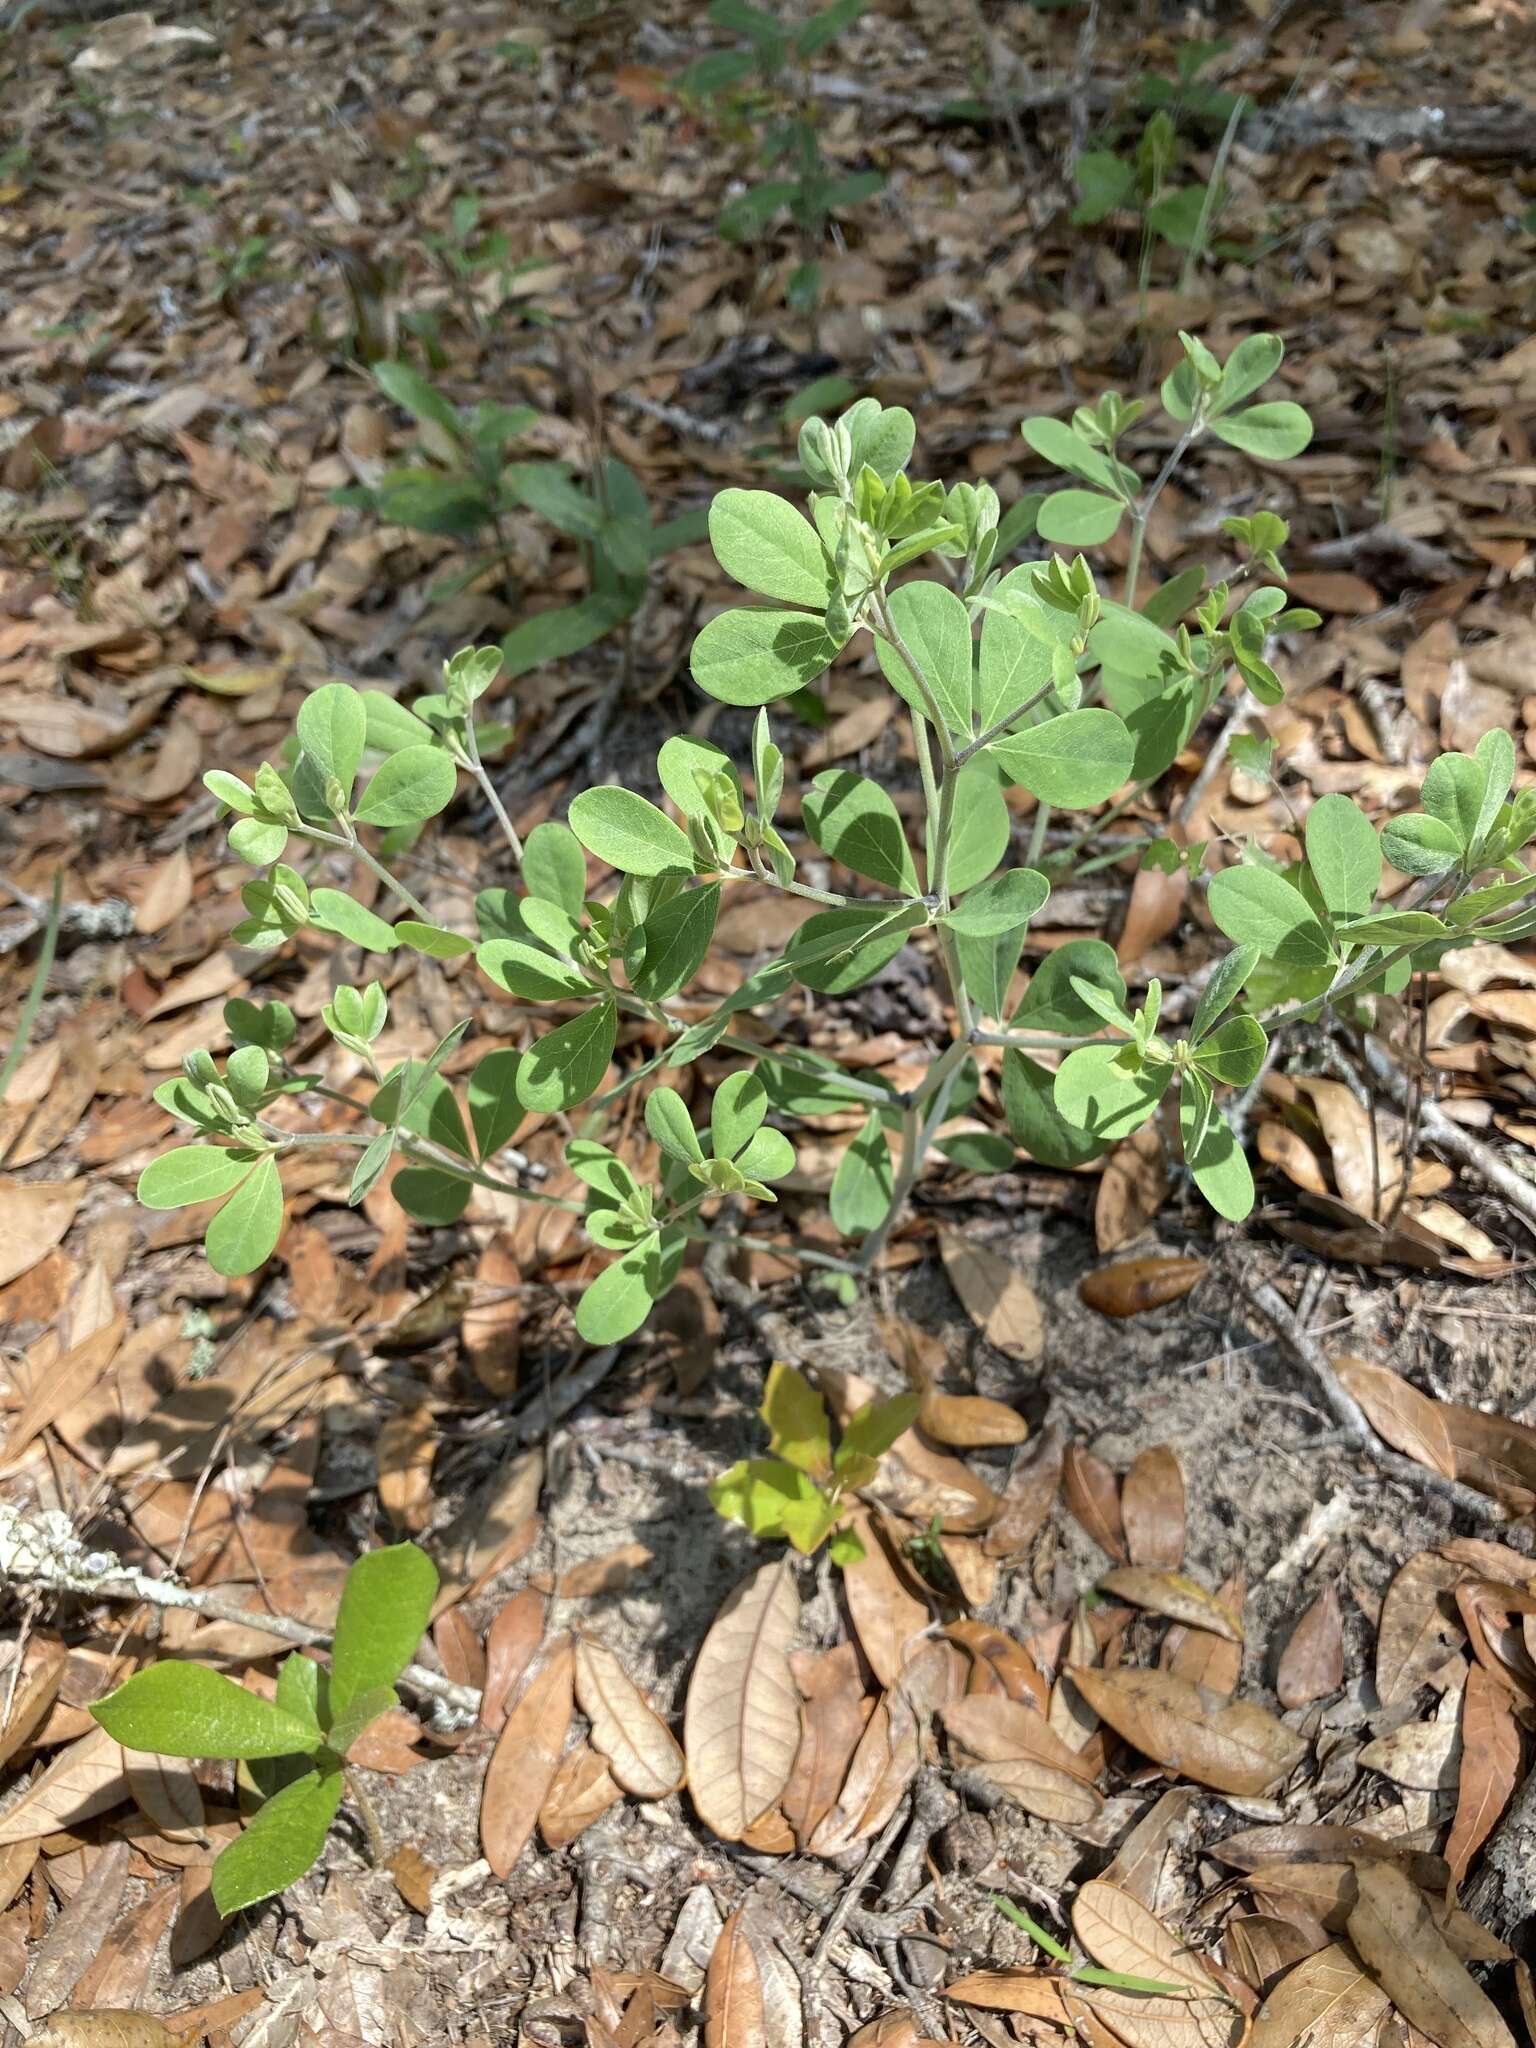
800	1491
1029	680
292	1748
759	91
470	477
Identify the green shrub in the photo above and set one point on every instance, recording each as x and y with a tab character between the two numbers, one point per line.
1078	700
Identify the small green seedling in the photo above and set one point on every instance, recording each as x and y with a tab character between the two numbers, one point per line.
801	1492
295	1745
470	475
1086	1973
761	89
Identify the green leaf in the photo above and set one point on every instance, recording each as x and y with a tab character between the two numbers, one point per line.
1495	753
883	438
1105	182
740	1104
796	1415
1417	844
495	1107
987	968
767	1155
978	1151
241	1236
555	868
1020	637
1252	363
1221	990
1103	1089
1079	519
257	841
1394	928
838	950
769	547
332	728
630	833
176	1709
1454	791
668	1121
280	1844
333	911
1132	644
771	1497
875	1428
431	939
853	820
1273	432
386	1604
673	942
620	1298
564	630
430	1194
408	787
1056	441
1234	1052
752	657
1212	1153
1167	605
864	1180
529	973
389	726
1344	855
358	1715
298	1692
936	629
1051	1004
566	1065
1005	904
191	1173
1072	761
408	389
1255	905
982	826
688	766
1029	1103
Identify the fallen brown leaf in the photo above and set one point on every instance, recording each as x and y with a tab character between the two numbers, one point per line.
1395	1936
1312	1663
526	1757
1490	1768
1152	1508
1327	2000
1175	1595
741	1724
995	1295
1419	1625
627	1731
1233	1746
1093	1497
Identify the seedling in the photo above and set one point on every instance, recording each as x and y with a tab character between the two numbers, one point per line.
801	1491
761	91
1086	1973
469	477
295	1745
1079	701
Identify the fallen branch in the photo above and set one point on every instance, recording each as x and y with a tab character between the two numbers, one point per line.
1456	1142
42	1550
1351	1417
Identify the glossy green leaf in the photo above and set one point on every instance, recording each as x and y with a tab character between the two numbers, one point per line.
178	1709
386	1604
298	1691
407	788
280	1844
1074	760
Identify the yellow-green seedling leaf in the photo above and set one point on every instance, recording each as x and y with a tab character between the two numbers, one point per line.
178	1709
872	1431
298	1691
385	1606
280	1844
630	833
796	1416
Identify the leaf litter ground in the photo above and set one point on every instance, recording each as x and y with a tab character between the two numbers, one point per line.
196	226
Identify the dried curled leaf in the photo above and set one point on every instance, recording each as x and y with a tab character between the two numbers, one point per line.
886	1616
1419	1626
995	1295
105	2030
741	1725
1231	1745
526	1758
1093	1498
1122	1935
87	1778
1490	1768
626	1729
1408	1420
970	1421
1017	1752
1395	1936
1327	1998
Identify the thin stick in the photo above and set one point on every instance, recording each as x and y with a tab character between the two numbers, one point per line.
1276	1311
841	1912
1457	1143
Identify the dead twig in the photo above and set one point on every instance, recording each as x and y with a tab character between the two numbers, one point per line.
1278	1313
1451	1138
841	1913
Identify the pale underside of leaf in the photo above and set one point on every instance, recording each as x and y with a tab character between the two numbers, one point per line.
741	1725
626	1729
